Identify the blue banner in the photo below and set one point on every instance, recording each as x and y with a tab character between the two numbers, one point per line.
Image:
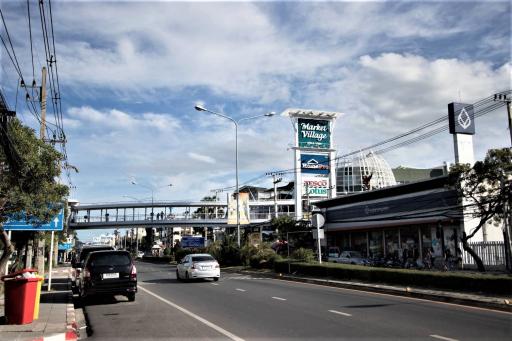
65	246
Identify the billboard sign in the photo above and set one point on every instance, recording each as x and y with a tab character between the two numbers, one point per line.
461	118
192	242
55	224
314	164
315	186
244	210
314	133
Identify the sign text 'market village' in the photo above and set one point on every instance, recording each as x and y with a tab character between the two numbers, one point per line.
314	131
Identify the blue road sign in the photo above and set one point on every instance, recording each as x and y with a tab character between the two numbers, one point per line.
192	242
65	246
55	224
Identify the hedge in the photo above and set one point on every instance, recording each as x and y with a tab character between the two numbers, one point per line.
486	283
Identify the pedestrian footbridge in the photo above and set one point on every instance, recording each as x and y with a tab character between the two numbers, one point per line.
156	214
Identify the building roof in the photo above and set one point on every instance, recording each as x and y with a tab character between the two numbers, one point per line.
413	187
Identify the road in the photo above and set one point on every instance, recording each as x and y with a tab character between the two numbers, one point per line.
244	307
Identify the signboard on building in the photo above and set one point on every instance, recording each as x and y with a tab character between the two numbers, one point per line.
243	208
314	133
461	118
315	186
65	246
315	164
56	223
192	242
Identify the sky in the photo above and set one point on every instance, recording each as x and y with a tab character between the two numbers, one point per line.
130	74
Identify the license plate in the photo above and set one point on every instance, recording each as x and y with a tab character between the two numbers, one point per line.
111	275
206	268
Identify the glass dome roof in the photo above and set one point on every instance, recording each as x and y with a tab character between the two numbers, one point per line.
362	173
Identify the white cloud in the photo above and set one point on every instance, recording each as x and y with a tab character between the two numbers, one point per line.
202	158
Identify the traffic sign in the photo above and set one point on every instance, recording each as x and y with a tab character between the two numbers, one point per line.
55	224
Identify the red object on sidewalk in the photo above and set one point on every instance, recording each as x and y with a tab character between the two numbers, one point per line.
20	297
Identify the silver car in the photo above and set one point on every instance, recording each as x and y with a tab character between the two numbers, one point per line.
198	265
350	257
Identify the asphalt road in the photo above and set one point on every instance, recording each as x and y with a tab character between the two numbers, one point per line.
244	307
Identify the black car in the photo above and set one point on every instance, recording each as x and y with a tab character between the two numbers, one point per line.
78	263
109	273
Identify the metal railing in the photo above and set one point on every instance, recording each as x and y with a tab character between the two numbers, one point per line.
491	253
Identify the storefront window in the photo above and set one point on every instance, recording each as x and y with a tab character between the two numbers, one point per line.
376	246
392	248
410	244
359	243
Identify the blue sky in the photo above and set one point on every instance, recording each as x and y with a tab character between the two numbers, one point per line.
131	73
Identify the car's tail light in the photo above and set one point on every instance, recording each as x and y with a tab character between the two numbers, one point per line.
216	265
87	273
194	266
133	274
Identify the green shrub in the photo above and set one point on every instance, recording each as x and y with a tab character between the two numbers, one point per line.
180	253
303	255
494	284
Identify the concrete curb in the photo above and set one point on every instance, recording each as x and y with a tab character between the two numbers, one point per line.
439	296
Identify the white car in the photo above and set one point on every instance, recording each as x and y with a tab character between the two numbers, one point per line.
198	265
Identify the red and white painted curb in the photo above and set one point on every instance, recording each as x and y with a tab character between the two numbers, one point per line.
71	333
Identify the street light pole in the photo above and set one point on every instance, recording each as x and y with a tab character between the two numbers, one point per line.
200	108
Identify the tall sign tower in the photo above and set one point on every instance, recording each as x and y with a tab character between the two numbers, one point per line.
315	176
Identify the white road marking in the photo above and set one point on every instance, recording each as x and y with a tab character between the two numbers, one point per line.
443	338
214	284
279	298
240	289
339	313
191	314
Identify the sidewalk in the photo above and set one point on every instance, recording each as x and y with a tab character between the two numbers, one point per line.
56	313
463	298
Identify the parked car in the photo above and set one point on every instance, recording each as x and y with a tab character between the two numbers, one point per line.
350	257
198	265
77	264
109	273
140	254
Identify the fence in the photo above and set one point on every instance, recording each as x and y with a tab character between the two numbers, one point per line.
491	253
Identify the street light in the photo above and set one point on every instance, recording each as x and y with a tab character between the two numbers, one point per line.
235	122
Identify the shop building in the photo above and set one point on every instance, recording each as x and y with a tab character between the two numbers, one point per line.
403	221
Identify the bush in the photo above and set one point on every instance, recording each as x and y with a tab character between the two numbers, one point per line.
493	284
303	255
180	253
261	256
167	251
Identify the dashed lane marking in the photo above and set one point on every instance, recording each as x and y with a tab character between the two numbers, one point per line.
214	284
339	313
242	290
279	298
191	314
443	338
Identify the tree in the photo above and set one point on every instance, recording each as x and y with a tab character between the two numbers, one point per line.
28	172
487	189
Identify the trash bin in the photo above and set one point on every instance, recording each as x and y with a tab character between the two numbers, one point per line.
20	296
38	297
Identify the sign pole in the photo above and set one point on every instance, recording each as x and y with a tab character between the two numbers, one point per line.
51	263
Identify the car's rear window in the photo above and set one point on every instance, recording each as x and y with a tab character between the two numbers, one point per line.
85	252
202	258
111	259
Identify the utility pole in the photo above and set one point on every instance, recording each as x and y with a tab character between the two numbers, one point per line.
40	235
502	97
275	181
